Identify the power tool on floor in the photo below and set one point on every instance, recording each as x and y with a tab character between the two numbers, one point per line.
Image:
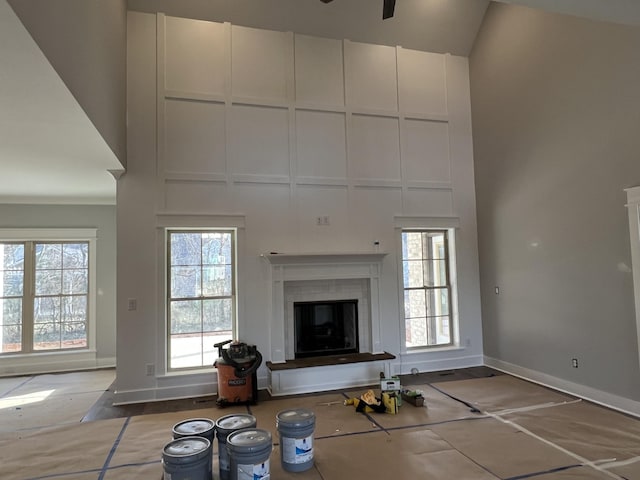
237	380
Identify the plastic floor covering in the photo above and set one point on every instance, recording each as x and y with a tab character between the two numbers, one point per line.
497	427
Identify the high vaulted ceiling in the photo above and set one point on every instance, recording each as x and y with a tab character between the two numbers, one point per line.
432	25
50	150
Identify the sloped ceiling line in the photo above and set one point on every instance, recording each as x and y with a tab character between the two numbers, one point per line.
50	151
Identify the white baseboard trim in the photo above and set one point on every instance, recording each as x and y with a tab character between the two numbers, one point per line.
424	362
301	381
53	362
615	402
202	387
144	395
107	362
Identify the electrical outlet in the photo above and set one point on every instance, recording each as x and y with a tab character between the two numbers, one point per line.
574	362
132	304
151	369
322	220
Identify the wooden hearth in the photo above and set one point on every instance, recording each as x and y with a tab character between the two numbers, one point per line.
329	360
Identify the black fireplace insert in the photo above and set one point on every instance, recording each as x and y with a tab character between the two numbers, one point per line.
325	328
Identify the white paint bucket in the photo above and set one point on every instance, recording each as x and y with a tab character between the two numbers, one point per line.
225	426
187	458
197	427
249	452
295	428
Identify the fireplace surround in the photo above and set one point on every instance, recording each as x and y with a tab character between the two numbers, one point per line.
326	291
323	277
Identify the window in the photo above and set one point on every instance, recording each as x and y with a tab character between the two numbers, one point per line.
427	288
201	306
44	296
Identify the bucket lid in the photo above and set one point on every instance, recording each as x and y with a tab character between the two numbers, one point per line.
193	426
186	447
229	423
249	439
299	417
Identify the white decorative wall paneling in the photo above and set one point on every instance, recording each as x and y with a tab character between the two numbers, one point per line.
370	77
319	73
268	131
244	106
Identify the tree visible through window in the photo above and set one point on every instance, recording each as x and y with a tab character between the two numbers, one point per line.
427	288
201	300
44	291
12	290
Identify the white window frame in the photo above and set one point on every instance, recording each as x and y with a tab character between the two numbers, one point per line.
182	221
167	293
450	224
633	206
22	360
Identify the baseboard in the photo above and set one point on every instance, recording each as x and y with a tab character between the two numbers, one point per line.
146	395
107	362
303	380
424	362
615	402
199	388
53	362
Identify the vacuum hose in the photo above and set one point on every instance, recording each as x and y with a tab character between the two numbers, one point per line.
242	370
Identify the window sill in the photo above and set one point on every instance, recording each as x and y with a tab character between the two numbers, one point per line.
423	350
187	373
44	353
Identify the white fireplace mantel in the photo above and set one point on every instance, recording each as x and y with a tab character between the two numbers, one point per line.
286	267
313	258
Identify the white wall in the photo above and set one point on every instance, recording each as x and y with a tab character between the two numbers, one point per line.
102	218
268	130
555	111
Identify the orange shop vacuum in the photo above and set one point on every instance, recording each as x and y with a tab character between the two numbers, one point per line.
237	380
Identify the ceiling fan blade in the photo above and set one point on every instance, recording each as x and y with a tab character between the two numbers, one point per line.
387	8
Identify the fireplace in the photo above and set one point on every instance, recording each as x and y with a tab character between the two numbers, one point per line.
346	298
331	279
324	278
325	328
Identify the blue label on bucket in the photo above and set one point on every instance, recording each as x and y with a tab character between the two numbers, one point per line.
297	450
259	471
